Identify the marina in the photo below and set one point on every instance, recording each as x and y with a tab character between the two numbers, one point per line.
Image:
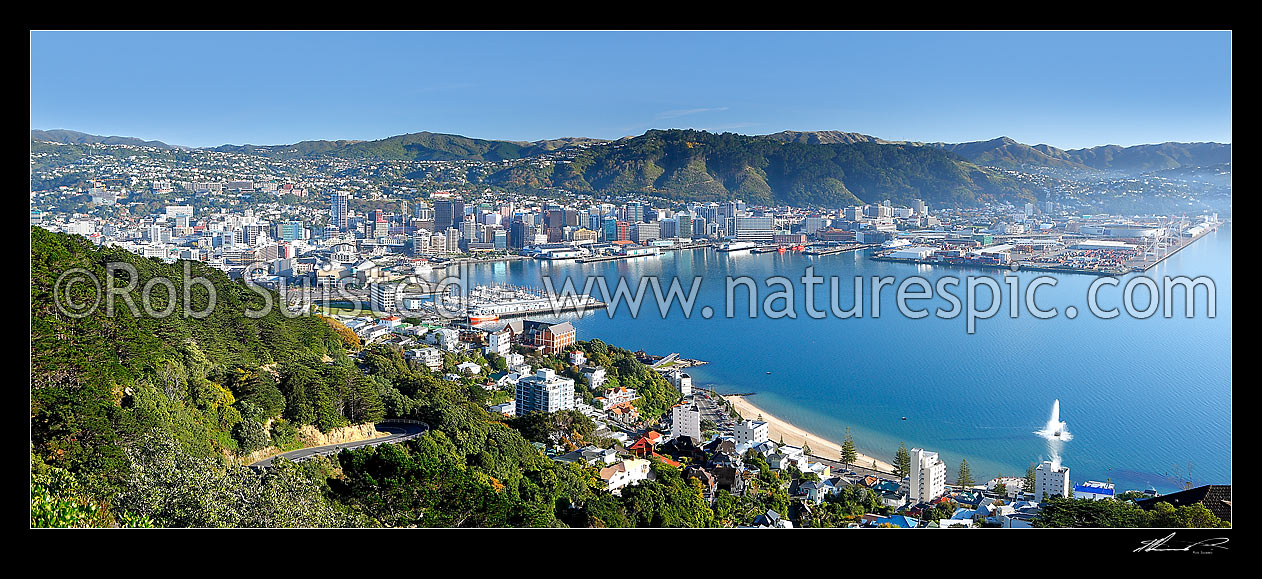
490	303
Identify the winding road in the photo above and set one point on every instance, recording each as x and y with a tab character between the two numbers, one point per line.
399	431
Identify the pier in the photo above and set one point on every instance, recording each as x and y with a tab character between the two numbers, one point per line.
599	258
826	250
1147	258
1212	226
698	245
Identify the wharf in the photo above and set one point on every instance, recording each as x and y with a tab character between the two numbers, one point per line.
689	246
1145	266
474	261
1018	266
599	258
816	250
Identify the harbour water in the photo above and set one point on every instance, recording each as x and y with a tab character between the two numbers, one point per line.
1148	400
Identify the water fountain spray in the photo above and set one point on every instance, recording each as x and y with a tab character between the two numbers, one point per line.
1055	433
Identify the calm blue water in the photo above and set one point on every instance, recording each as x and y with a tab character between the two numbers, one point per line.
1142	398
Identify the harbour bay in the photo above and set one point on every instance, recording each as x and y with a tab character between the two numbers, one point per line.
1148	400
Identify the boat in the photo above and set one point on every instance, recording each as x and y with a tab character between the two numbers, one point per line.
482	316
895	243
735	246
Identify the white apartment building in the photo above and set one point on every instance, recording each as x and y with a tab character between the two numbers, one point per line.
432	358
750	432
1052	479
499	343
685	384
384	297
928	475
681	381
445	338
595	376
686	421
544	392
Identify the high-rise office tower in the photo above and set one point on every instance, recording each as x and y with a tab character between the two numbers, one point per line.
448	213
517	234
338	211
635	212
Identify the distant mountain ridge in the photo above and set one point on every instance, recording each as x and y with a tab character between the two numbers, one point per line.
1159	157
701	166
76	138
423	146
829	138
1002	152
800	168
1008	153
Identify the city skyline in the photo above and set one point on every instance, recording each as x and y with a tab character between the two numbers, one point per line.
1066	89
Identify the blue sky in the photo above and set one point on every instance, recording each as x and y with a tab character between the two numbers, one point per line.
1069	90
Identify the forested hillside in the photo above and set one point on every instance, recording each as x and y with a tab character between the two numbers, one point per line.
101	382
702	166
140	421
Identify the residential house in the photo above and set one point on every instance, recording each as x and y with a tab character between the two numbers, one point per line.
625	473
595	376
772	520
708	483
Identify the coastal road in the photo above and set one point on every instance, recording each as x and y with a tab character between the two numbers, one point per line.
397	432
838	468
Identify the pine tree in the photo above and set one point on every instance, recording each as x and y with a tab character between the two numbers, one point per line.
1028	484
966	477
848	454
902	461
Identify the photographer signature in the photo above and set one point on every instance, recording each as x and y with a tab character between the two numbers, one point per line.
1159	545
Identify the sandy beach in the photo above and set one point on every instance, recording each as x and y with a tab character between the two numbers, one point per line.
795	436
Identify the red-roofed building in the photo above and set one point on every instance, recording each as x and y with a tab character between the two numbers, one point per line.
646	444
667	460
